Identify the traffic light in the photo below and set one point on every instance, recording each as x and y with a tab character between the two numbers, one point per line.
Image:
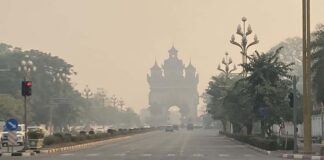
291	99
26	88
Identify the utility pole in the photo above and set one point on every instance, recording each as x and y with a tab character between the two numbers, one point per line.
307	103
295	113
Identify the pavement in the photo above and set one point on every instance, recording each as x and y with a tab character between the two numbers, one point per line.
159	145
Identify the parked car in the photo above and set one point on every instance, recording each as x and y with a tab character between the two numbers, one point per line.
169	128
190	126
175	127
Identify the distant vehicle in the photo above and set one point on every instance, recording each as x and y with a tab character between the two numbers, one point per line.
20	135
190	126
147	126
100	130
169	128
34	128
175	127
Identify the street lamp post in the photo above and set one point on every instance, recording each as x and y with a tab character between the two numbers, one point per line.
244	45
59	77
227	61
307	102
101	94
114	100
121	104
87	92
26	66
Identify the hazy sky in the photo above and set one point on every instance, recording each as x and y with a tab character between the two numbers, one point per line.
113	43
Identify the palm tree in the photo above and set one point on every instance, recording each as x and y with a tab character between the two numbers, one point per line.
317	48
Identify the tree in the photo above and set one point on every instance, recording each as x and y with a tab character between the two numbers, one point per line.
291	52
217	91
269	82
317	48
11	108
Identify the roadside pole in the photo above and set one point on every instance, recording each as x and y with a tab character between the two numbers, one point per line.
295	114
322	113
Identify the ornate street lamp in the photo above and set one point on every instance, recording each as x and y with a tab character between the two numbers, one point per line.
244	45
26	67
87	92
227	61
101	94
121	103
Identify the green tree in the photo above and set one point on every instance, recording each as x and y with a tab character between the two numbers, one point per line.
269	84
317	48
217	91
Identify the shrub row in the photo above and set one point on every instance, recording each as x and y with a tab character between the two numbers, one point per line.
60	138
269	143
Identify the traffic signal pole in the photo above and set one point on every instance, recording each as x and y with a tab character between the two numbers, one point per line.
295	113
25	119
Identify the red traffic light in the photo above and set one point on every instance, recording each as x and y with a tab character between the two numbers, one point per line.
28	83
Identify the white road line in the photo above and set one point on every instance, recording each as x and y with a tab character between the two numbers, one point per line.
248	155
171	155
92	155
198	155
119	154
67	154
146	155
223	155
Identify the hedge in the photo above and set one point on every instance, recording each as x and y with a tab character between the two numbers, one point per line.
59	138
270	143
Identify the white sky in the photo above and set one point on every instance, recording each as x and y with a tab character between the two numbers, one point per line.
113	43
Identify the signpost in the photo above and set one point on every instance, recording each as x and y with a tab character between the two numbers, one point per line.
12	126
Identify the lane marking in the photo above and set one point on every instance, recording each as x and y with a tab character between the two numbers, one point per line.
223	155
67	154
146	155
248	155
92	155
198	155
171	155
119	154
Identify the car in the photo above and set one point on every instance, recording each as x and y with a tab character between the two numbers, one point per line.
169	128
190	126
175	127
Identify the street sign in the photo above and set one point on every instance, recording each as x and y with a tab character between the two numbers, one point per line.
12	138
11	125
263	110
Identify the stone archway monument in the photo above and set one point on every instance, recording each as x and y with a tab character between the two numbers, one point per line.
173	84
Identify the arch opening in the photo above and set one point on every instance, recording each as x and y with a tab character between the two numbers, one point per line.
174	115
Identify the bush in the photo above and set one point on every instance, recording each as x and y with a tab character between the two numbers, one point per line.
50	140
111	131
83	132
58	138
269	143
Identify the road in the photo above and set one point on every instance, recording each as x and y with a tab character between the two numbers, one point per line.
159	145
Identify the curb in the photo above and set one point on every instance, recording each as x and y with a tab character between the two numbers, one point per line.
301	156
82	146
24	154
266	152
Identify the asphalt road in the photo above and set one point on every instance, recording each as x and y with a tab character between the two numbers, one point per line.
160	145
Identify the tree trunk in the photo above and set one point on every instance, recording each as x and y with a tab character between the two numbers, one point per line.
224	125
249	128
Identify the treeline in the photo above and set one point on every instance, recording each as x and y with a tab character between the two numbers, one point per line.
262	95
53	96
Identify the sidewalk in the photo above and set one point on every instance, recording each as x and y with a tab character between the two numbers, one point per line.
316	149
